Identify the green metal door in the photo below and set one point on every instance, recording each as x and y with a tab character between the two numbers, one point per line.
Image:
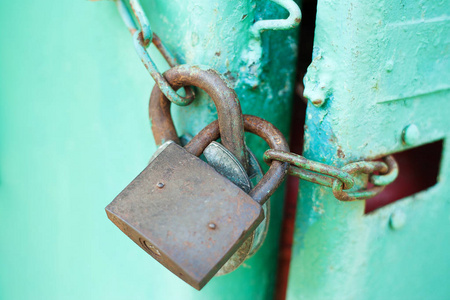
74	131
380	80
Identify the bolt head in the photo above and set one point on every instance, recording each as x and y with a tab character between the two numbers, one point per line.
397	219
389	66
160	185
410	134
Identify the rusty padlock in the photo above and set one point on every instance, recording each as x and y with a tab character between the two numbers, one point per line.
179	209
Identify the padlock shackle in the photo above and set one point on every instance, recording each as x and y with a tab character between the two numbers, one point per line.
231	125
266	130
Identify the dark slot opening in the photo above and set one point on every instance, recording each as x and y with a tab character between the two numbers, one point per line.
307	27
419	170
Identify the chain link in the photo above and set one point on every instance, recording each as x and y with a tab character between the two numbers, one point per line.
388	177
340	180
142	37
366	167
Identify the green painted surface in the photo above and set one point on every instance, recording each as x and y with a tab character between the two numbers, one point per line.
74	131
378	66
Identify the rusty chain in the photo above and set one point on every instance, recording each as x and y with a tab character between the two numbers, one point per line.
339	179
143	36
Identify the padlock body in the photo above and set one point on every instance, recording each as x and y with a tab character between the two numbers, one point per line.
185	214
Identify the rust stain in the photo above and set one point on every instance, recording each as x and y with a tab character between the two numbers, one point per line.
340	153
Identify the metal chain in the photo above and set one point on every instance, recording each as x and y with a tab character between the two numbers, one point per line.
340	180
143	36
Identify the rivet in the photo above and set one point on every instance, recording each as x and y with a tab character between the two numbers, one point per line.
212	225
410	134
389	66
160	185
397	219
